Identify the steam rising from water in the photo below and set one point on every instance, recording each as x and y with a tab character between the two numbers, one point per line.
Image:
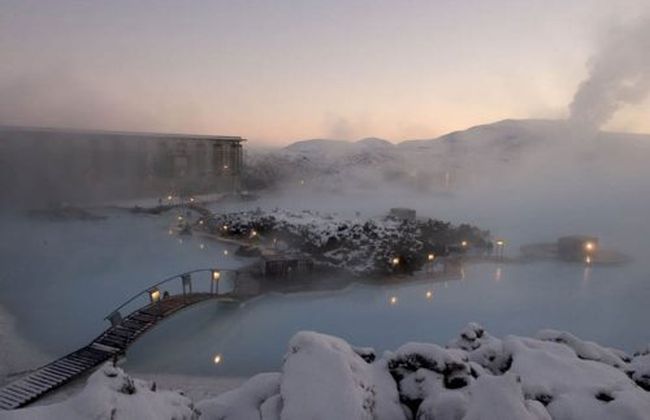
619	75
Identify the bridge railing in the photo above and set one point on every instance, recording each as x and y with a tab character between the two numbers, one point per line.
202	281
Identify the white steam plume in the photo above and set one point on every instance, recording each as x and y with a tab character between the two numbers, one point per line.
619	75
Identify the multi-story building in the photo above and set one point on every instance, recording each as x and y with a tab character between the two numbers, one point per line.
41	166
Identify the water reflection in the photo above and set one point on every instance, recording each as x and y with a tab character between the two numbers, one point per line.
541	294
498	274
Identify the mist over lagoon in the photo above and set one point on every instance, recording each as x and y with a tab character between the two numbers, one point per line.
325	210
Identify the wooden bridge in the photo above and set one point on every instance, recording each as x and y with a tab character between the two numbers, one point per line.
144	310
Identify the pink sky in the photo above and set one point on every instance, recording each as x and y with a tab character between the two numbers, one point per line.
277	72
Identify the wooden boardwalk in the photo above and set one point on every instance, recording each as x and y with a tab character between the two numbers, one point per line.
110	344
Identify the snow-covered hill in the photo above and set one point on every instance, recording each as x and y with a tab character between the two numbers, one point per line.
497	151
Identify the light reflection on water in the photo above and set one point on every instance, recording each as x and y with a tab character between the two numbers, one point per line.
595	303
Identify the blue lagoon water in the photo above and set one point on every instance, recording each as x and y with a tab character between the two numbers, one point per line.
604	304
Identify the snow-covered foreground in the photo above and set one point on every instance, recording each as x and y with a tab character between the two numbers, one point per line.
554	375
111	394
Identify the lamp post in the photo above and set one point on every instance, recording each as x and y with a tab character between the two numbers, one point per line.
214	283
500	246
589	248
430	261
154	295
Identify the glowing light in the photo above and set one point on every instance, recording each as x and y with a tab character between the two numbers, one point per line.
225	252
154	295
217	359
216	275
253	233
225	166
225	227
587	260
431	257
590	246
202	246
395	261
200	222
180	218
429	294
170	197
463	243
501	242
191	199
393	300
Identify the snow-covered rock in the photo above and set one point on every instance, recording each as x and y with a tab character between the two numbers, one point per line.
584	349
499	398
324	378
258	398
477	376
556	376
483	349
111	394
362	246
640	369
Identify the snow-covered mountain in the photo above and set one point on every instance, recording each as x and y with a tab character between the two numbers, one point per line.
501	149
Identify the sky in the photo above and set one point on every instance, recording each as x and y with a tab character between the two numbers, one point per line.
280	71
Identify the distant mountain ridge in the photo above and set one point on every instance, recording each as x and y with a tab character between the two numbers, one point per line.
478	152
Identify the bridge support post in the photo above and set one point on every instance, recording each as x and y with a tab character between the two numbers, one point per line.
115	318
187	283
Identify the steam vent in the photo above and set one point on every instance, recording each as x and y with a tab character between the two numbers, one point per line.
75	166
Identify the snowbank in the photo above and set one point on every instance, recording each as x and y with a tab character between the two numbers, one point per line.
476	376
111	394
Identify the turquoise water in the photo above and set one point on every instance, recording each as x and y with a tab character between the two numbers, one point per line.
59	280
604	304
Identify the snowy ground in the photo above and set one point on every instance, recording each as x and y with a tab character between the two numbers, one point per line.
554	375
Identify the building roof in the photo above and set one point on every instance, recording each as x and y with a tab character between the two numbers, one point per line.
141	134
